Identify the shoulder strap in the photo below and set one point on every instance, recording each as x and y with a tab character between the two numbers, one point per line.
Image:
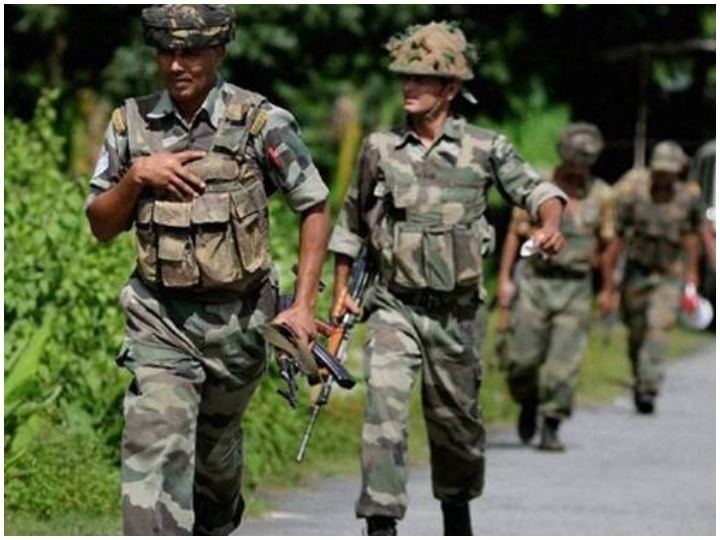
140	138
245	117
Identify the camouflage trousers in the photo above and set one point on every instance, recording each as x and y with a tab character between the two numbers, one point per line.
649	309
195	366
550	324
441	344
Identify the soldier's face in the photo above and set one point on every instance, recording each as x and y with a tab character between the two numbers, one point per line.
664	178
573	172
189	74
421	93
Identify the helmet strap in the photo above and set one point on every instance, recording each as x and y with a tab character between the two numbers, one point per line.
438	106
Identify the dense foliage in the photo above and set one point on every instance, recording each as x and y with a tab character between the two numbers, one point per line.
326	63
62	323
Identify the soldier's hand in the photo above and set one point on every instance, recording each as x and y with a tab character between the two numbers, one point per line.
302	322
506	291
607	302
165	172
342	303
351	305
503	320
549	240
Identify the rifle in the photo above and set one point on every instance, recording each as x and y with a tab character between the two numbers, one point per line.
322	364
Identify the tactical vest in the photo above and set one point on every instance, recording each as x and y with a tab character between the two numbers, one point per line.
434	231
656	239
218	241
592	219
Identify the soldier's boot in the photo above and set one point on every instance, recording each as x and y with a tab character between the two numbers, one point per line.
644	402
527	421
549	438
456	519
381	526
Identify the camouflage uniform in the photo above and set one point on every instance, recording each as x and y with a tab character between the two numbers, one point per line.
202	290
421	212
653	231
551	316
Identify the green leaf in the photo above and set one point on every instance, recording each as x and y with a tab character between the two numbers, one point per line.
20	379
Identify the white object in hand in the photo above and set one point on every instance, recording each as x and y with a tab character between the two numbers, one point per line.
696	312
529	248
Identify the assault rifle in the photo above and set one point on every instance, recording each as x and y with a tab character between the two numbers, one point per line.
322	364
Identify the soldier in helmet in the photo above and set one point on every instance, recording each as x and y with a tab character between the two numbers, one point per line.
418	204
191	168
551	314
659	221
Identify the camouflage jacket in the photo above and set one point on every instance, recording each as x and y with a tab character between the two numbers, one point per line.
422	210
654	231
585	224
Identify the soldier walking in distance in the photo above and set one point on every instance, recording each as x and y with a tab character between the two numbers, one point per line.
189	167
659	222
418	204
551	315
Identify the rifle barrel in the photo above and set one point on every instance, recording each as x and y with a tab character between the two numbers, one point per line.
306	435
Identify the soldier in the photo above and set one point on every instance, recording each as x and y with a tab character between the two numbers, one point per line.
190	167
418	204
659	219
551	316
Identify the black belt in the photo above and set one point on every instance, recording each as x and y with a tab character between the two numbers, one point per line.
205	296
430	299
558	272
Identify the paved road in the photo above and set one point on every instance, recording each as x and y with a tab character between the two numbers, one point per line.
623	474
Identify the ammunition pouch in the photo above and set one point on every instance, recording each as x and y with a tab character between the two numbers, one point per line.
217	241
439	258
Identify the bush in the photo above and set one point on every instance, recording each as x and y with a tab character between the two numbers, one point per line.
62	323
62	473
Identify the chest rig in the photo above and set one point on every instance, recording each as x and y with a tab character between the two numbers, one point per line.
658	228
433	228
218	241
590	220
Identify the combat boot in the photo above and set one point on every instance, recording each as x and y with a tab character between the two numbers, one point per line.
644	402
549	439
456	519
527	421
381	526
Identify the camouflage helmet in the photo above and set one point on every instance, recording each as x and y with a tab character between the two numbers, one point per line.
581	144
188	26
435	49
668	156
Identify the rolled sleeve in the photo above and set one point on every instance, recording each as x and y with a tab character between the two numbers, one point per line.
542	193
288	161
519	183
345	242
306	194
